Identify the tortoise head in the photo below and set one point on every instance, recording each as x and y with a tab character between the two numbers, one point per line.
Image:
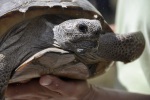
78	35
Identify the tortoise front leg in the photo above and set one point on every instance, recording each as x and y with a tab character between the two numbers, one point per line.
125	48
5	73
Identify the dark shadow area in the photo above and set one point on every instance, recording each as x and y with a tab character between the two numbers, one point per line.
107	9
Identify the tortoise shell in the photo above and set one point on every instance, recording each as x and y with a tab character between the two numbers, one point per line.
58	62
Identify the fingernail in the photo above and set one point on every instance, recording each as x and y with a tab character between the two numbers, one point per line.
45	81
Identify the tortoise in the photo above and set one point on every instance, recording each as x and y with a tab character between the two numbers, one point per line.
66	38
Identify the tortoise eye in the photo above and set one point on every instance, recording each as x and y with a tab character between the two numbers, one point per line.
83	28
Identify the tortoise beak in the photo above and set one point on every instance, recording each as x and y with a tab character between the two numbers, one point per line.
125	48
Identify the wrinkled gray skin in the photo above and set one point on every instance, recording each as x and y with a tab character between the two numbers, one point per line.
82	36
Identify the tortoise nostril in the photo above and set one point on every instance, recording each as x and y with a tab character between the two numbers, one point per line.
97	33
83	28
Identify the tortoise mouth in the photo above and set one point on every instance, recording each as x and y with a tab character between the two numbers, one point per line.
83	46
84	37
51	61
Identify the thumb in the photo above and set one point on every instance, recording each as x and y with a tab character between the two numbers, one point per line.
55	84
65	88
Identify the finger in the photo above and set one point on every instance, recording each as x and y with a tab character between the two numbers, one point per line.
64	88
55	84
29	89
23	89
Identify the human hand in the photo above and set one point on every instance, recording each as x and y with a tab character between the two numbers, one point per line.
49	88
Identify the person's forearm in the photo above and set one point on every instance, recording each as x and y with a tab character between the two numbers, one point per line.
108	94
